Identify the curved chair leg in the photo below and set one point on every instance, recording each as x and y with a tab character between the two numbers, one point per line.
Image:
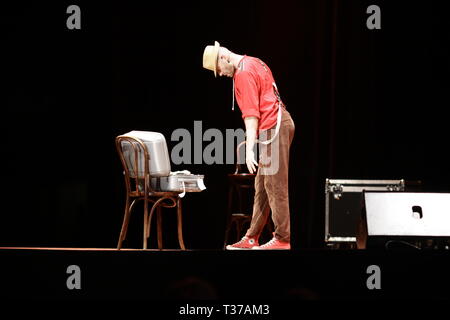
159	227
180	225
126	219
146	223
131	210
150	221
150	216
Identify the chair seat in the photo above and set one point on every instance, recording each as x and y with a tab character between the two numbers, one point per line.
164	194
158	194
238	215
242	177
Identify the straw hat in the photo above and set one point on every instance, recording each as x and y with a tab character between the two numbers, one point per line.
210	57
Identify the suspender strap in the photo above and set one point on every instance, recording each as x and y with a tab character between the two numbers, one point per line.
277	128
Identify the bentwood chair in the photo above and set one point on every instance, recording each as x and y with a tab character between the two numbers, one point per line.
241	189
138	188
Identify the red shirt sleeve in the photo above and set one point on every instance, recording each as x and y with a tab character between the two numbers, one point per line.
247	94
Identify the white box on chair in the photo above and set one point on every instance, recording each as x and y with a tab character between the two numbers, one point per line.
155	142
180	181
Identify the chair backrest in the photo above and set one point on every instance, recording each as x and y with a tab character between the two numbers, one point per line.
136	164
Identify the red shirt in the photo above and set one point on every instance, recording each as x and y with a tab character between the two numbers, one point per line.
253	86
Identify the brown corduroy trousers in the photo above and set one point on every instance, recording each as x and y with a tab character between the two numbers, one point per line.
271	182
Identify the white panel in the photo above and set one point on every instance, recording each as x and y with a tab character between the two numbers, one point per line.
391	213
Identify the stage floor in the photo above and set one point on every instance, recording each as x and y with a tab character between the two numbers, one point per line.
174	275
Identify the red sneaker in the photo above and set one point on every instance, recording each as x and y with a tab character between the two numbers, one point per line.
246	243
274	244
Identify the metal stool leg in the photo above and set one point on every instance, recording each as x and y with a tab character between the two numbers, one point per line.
229	218
238	229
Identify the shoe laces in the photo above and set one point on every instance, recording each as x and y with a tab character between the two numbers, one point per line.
271	242
244	239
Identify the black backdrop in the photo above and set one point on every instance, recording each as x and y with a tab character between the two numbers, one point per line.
367	104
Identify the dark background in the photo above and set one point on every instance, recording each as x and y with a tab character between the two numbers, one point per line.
367	104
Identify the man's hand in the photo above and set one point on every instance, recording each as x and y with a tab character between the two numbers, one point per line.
251	125
250	161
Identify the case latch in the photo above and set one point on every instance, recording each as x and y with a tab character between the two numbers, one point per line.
336	190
